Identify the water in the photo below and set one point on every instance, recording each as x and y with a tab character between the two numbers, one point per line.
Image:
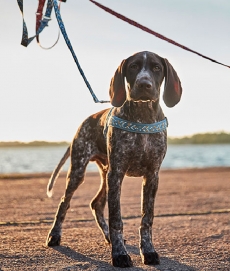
44	159
197	156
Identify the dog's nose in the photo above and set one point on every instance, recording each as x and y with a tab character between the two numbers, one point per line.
144	84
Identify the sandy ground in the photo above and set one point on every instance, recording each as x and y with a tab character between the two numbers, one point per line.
191	227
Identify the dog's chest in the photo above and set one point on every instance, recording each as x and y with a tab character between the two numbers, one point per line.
140	153
146	144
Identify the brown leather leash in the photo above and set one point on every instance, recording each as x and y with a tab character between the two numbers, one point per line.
146	29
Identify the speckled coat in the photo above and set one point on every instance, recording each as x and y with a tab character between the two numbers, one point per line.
134	93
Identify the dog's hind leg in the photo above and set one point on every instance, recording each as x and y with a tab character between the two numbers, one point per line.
54	235
99	201
75	177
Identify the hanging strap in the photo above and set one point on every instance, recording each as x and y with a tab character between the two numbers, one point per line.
39	13
39	16
44	22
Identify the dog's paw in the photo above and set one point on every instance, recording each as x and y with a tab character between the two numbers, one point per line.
122	261
151	258
53	241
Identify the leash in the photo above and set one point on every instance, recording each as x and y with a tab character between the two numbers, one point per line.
43	23
39	16
68	43
144	28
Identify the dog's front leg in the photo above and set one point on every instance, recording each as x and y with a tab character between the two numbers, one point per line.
120	257
149	189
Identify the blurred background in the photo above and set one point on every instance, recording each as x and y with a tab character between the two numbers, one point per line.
43	97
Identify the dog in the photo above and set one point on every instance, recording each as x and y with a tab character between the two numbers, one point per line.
128	140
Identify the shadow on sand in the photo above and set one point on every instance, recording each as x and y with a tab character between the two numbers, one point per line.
166	264
85	262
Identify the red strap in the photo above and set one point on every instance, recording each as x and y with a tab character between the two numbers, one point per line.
39	13
40	18
153	32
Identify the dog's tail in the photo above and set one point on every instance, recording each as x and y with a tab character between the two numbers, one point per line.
56	172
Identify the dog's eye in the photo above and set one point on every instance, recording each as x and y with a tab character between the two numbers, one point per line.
156	68
133	66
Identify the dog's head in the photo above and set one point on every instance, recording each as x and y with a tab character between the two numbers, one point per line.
139	78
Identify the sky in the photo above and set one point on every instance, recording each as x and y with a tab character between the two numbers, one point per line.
43	97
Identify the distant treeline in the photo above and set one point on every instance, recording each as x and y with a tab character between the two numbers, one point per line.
33	144
207	138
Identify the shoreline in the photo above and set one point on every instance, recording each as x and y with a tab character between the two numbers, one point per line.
94	173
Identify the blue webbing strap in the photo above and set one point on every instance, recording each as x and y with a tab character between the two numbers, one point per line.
44	22
62	27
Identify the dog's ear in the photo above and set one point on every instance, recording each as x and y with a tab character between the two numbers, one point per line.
173	89
117	90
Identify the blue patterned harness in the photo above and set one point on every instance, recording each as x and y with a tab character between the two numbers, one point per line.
134	127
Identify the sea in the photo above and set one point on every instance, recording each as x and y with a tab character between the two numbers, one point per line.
44	159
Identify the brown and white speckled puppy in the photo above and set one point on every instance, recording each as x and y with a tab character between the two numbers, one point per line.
134	92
